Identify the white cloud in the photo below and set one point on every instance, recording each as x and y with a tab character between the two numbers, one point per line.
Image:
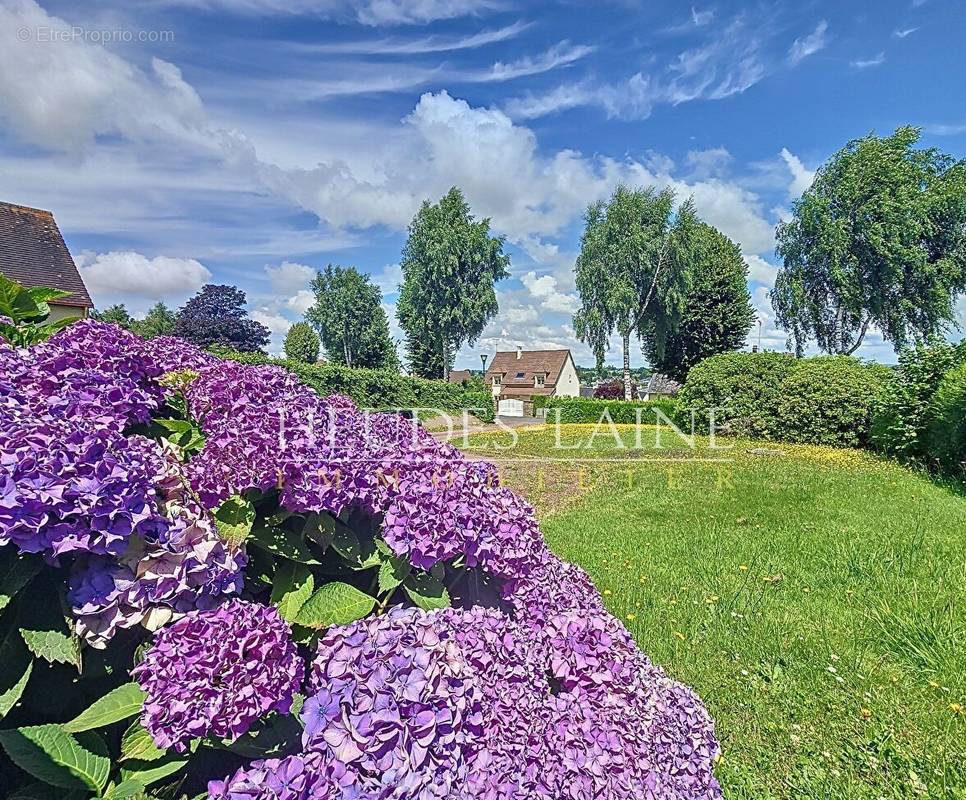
301	301
289	276
428	44
368	12
544	289
945	129
808	45
709	163
802	177
904	32
135	279
867	63
701	18
389	279
62	94
760	270
560	55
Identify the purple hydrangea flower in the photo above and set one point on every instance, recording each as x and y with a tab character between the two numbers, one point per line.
215	673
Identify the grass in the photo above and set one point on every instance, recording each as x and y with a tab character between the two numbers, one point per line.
812	596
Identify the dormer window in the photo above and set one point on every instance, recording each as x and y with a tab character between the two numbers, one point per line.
538	379
496	380
521	375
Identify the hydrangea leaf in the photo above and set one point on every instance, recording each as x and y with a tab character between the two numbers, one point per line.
17	575
292	587
335	603
285	543
147	773
124	790
120	703
52	755
393	570
427	591
278	735
137	744
53	646
235	518
44	791
12	696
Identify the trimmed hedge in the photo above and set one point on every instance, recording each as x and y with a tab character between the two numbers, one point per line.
946	421
821	400
830	400
622	412
379	389
748	386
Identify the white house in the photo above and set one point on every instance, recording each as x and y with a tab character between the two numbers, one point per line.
516	377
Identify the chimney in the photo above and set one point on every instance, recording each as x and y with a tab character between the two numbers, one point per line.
519	351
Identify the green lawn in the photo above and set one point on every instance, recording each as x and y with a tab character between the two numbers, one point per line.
814	599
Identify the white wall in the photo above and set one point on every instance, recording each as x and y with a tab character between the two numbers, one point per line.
568	384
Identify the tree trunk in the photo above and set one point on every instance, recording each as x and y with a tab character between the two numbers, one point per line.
445	350
627	365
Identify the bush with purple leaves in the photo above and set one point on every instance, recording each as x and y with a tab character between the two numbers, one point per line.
312	601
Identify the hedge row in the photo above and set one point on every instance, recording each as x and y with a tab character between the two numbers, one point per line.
826	400
622	412
380	389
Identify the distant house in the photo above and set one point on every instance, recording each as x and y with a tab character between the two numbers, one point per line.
459	375
659	385
33	253
516	377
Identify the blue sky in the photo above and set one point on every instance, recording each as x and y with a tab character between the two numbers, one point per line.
253	141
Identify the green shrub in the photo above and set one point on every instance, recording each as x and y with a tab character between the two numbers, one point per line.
945	436
743	388
829	400
302	343
622	412
899	420
379	389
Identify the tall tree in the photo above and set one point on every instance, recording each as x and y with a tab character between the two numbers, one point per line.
632	270
450	265
301	343
351	322
717	312
878	239
216	315
159	321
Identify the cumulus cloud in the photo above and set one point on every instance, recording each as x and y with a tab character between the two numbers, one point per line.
64	94
544	290
804	46
289	276
126	276
802	177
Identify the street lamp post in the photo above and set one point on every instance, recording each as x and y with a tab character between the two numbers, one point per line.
483	357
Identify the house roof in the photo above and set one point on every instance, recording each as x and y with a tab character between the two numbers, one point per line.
660	383
33	253
520	372
459	375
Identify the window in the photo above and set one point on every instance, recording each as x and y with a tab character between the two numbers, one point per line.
539	379
496	380
521	374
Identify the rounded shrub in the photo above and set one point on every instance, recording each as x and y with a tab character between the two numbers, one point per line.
946	421
741	389
829	400
302	343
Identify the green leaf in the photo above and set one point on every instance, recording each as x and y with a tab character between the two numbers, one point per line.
427	591
234	519
19	574
346	543
44	791
293	586
137	744
335	603
54	756
120	703
318	528
124	790
12	696
53	646
392	571
283	542
147	773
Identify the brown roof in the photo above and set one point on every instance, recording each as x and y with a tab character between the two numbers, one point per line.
33	253
520	372
459	375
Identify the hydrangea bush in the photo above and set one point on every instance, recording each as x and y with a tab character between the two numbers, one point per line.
247	591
